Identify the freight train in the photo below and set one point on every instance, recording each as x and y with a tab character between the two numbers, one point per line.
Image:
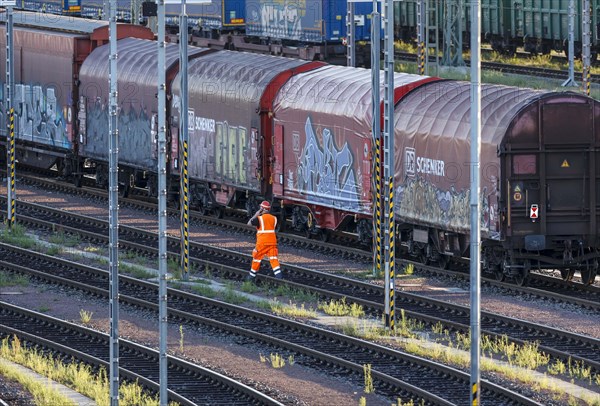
539	26
316	29
298	133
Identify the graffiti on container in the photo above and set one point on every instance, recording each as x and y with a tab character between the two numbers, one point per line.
135	136
38	118
326	172
279	18
421	201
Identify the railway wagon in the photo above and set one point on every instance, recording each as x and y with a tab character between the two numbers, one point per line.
138	107
48	53
323	149
230	143
539	178
539	26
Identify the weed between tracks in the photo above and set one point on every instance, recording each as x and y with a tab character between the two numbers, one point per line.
432	342
79	377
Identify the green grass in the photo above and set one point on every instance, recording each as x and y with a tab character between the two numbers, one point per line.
292	310
78	377
341	308
42	393
204	290
10	279
62	239
85	316
17	235
229	295
136	271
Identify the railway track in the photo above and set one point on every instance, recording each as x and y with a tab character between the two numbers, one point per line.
539	285
513	69
345	247
395	374
232	265
188	384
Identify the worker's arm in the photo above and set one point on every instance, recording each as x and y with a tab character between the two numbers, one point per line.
258	213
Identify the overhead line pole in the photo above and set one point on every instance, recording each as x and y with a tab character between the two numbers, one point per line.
113	204
571	54
378	256
162	205
10	115
350	35
586	45
388	165
421	26
184	141
475	243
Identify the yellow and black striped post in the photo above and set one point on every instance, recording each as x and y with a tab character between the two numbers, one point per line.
392	252
378	251
185	215
11	165
587	73
421	57
474	395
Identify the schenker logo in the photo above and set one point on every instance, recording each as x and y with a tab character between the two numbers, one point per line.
416	164
409	161
200	123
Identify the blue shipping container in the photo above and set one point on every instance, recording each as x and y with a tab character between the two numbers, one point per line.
313	21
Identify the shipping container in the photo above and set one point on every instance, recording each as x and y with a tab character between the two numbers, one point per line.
310	21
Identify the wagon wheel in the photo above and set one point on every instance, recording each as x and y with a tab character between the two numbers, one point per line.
521	276
567	274
444	261
589	272
309	225
219	212
324	235
123	190
281	224
78	180
424	258
501	271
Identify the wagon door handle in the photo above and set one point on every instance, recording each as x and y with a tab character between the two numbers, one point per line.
526	201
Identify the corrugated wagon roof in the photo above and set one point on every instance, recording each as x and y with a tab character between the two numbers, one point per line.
136	63
442	109
337	91
227	76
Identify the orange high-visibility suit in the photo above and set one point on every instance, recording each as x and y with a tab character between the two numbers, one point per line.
266	243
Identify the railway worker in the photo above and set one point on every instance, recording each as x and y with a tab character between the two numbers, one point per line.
266	241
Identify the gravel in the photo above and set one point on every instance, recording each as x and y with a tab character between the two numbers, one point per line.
292	384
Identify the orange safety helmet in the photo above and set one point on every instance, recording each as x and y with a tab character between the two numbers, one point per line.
265	205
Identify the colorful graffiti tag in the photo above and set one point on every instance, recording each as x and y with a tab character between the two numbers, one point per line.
326	173
38	117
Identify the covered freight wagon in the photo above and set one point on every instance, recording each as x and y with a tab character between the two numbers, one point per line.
49	51
229	116
323	147
138	107
539	177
